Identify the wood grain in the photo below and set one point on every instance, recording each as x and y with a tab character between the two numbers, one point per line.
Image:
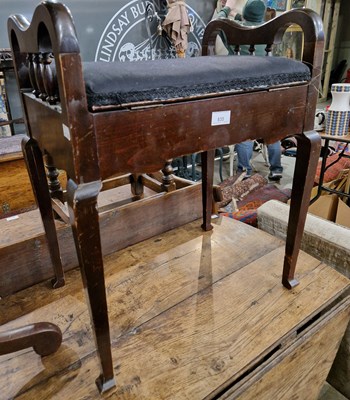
15	188
91	146
23	248
190	312
299	370
127	139
10	148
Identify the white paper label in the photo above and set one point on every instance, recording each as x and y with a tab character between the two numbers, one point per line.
220	118
66	132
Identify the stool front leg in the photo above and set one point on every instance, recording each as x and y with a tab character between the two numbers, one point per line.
309	144
83	214
35	166
207	187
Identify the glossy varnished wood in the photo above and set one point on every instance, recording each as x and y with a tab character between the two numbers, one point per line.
200	324
121	135
126	133
44	337
91	146
305	167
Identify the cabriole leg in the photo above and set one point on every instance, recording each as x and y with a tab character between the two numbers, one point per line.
309	144
83	214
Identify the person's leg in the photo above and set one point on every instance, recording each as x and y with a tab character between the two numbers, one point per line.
274	152
244	152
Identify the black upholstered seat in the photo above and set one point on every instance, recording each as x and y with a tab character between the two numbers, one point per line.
110	85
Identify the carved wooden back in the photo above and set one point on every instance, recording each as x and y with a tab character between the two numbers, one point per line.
48	64
271	33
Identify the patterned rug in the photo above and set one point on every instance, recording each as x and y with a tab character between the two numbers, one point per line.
247	207
333	171
236	188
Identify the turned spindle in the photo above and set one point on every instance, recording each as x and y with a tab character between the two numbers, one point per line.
168	183
49	78
38	71
31	60
52	174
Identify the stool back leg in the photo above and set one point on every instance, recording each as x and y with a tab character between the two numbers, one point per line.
35	166
207	187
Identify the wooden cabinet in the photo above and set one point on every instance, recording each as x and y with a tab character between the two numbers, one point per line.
193	315
15	189
299	368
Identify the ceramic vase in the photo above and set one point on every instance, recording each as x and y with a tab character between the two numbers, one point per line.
337	122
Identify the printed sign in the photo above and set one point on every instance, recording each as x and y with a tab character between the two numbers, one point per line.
131	36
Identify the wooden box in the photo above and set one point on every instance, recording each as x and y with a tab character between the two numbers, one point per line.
193	315
23	246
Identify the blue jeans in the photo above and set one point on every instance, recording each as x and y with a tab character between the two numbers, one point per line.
245	151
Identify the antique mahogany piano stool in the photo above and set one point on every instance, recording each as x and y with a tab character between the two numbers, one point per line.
95	120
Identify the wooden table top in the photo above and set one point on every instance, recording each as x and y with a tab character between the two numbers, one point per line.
343	138
189	312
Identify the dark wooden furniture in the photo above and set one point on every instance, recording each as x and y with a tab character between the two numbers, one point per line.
320	186
44	337
270	14
97	120
16	193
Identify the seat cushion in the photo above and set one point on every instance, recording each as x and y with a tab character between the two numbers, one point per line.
123	84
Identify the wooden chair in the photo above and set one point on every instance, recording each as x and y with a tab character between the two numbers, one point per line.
270	14
97	119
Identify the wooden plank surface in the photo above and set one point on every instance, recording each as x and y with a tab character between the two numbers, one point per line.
190	312
305	363
10	148
15	187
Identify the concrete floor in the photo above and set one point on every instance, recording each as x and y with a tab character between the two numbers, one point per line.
262	168
329	393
